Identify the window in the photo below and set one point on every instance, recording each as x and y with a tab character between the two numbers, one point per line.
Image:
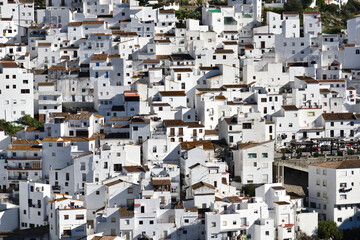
311	114
130	190
213	224
255	164
79	217
117	167
130	202
25	91
246	125
252	155
66	217
141	222
265	155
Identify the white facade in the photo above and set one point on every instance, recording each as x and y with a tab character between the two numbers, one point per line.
332	192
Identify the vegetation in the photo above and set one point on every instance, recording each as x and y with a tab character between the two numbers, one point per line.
329	230
9	127
29	121
298	153
333	17
12	128
350	152
303	236
217	2
40	3
185	14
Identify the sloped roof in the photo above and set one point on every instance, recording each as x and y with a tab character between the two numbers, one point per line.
174	123
338	116
201	184
345	164
251	144
289	107
134	168
172	93
206	144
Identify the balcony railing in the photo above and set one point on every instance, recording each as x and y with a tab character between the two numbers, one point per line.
344	190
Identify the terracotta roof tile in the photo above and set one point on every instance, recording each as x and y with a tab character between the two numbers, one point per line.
201	184
338	116
345	164
172	93
206	144
289	107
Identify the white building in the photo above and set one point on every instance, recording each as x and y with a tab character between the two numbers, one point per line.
67	218
252	162
333	192
17	92
34	198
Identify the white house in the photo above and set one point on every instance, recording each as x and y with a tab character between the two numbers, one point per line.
333	192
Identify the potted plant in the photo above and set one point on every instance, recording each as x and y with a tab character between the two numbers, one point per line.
339	153
350	151
298	152
322	149
283	151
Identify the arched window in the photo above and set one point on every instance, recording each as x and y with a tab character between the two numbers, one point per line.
357	51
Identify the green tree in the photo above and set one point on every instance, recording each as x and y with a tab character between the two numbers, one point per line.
293	6
29	121
188	14
303	236
306	3
9	128
328	229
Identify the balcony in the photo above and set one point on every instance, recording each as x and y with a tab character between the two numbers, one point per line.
34	205
49	102
16	178
344	190
107	67
25	158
